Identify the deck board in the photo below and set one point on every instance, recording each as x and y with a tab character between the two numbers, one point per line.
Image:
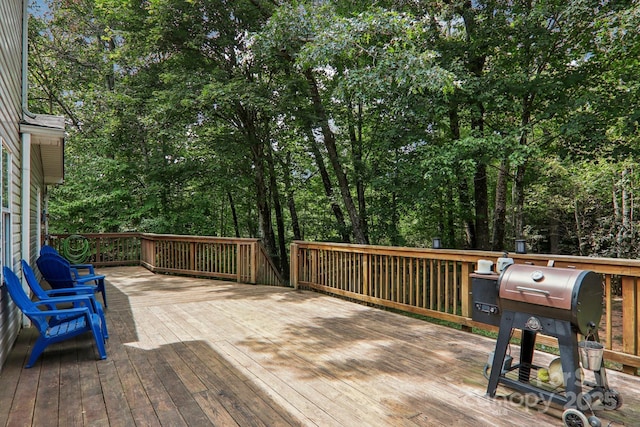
186	351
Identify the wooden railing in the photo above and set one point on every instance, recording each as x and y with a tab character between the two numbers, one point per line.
428	282
242	260
436	283
106	249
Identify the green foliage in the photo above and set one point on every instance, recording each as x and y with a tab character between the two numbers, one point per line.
173	106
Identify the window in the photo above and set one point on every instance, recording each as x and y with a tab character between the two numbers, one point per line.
5	177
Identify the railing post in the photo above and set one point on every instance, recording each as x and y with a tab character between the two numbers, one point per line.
143	250
238	262
465	290
293	266
365	274
98	250
192	256
314	267
254	262
608	306
148	252
629	319
154	253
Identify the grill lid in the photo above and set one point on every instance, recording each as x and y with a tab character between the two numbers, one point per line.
548	286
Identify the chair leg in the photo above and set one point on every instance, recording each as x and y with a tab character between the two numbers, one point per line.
105	333
102	288
37	350
96	327
103	320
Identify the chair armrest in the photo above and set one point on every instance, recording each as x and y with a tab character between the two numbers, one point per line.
90	300
58	312
82	290
81	280
84	267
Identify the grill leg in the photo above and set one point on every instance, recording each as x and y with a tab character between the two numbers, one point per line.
600	374
504	335
568	344
526	355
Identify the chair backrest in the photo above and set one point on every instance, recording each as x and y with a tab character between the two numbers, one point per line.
55	270
46	249
21	299
32	281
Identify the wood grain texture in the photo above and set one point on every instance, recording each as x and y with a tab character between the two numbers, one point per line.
189	351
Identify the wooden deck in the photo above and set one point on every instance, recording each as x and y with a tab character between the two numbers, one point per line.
203	352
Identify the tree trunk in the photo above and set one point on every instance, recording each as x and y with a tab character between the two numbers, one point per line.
554	234
616	206
576	216
482	207
624	213
328	190
358	164
518	202
395	216
332	150
480	186
463	186
275	196
475	65
291	203
343	230
234	214
247	119
518	226
264	212
500	212
222	232
450	231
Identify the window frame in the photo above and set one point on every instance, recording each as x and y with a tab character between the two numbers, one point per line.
6	232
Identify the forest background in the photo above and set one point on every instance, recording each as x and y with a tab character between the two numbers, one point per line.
374	122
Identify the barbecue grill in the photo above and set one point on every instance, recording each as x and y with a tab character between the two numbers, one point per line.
559	302
558	293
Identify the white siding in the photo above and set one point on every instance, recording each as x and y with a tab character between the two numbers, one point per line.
10	113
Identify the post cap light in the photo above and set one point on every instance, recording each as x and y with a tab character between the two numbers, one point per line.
521	246
437	243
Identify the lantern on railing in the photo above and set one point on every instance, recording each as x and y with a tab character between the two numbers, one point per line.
437	243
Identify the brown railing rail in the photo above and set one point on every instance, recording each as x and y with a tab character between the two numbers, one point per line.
106	249
238	259
428	282
242	260
436	283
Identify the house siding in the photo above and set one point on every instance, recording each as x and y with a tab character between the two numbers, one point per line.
10	114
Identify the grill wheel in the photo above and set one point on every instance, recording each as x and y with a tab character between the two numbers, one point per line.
574	418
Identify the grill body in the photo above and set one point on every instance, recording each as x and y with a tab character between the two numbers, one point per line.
558	293
484	288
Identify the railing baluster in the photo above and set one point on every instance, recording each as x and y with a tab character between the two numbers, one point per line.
432	282
608	311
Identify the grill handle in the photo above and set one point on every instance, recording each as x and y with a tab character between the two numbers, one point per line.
539	291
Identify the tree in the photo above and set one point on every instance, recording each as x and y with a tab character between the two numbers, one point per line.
386	122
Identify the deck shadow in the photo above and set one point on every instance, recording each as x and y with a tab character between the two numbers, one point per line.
208	352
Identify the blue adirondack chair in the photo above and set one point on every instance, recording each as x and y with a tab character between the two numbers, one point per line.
79	320
59	273
47	249
78	295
